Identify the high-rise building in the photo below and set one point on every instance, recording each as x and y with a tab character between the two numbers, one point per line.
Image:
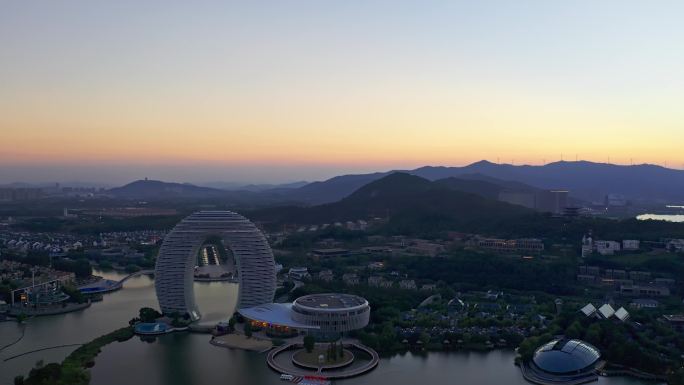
178	253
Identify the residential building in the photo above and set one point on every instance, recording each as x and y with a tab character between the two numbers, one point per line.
676	321
630	244
428	287
378	281
350	279
644	303
607	247
667	282
298	273
526	245
640	276
644	290
407	284
377	250
326	275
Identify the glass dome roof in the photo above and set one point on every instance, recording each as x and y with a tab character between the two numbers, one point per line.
565	356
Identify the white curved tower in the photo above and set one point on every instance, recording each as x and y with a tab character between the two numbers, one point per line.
176	261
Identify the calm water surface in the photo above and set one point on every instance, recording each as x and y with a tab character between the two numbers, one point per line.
662	217
183	358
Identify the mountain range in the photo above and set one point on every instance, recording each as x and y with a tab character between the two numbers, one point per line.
586	181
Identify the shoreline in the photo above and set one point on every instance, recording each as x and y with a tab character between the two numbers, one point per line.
239	341
46	312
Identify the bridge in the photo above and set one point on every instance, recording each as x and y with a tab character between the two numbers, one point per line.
136	274
108	285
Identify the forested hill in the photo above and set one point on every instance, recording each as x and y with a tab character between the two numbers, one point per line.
416	206
411	203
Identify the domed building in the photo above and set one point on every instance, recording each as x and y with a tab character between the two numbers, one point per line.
566	356
563	361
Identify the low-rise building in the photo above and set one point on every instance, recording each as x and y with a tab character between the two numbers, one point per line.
378	281
407	284
667	282
644	303
640	276
630	244
326	275
676	321
351	279
428	287
676	245
615	274
644	290
590	270
606	247
428	249
298	273
524	245
334	252
377	250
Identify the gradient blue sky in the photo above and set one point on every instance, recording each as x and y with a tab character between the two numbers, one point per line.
110	91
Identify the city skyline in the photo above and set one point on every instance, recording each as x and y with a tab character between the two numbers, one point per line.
254	93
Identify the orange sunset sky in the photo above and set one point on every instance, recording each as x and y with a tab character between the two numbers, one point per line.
282	91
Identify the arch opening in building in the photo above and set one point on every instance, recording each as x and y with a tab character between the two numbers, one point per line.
178	254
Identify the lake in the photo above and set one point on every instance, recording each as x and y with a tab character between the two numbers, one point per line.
662	217
187	359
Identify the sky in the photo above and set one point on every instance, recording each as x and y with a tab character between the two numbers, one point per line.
276	91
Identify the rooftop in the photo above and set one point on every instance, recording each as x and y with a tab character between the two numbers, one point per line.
330	301
274	313
565	356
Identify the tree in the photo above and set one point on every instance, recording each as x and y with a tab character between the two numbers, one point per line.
19	380
248	329
676	378
424	338
593	334
574	330
309	342
74	294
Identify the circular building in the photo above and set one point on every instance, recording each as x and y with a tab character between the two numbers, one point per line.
566	357
176	261
331	313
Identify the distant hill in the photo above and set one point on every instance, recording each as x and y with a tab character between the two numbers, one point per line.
412	204
585	180
154	189
232	186
330	190
483	186
342	186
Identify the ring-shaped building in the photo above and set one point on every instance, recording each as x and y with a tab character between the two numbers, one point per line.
178	253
